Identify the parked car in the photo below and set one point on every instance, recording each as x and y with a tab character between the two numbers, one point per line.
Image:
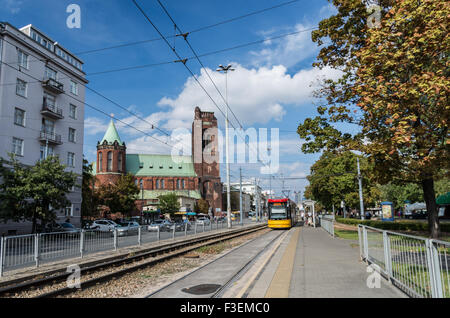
127	228
69	228
161	224
203	221
104	225
180	225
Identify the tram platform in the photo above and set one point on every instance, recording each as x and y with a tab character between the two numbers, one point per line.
310	263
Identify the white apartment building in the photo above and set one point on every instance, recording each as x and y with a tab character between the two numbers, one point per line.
42	93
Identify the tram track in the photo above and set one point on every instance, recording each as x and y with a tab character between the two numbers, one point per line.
56	284
239	272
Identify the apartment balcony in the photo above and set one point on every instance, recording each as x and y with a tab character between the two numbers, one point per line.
52	138
52	111
53	86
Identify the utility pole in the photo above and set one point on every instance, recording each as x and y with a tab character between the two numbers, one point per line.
256	198
361	202
240	196
225	70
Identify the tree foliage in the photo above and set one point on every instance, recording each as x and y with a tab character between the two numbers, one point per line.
168	203
90	196
121	196
333	179
202	206
395	86
34	193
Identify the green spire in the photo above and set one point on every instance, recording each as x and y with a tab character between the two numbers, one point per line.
111	134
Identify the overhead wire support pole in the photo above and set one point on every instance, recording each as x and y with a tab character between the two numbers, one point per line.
240	196
225	70
185	35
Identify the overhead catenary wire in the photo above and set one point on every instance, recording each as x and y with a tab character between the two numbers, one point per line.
194	30
153	126
142	66
97	109
184	61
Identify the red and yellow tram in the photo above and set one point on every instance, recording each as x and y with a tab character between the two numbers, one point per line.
282	213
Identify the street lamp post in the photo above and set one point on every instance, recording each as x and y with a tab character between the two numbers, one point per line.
225	69
361	202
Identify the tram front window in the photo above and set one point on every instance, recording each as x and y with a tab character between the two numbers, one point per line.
278	212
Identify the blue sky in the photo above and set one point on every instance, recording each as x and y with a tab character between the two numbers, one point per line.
271	87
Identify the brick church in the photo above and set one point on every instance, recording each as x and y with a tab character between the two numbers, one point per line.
189	177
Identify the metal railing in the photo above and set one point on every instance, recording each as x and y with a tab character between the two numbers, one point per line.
418	266
327	223
32	250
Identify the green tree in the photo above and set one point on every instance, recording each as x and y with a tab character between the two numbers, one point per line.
202	206
395	87
168	203
36	193
333	179
121	196
90	197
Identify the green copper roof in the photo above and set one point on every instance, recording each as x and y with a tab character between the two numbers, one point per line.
160	165
111	134
157	166
154	194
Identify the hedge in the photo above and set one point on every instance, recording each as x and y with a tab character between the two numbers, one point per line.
394	226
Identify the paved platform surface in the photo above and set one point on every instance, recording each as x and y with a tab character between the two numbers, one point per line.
311	264
300	263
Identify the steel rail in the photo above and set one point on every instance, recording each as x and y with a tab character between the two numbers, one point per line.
181	248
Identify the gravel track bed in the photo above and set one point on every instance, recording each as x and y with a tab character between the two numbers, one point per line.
143	282
153	276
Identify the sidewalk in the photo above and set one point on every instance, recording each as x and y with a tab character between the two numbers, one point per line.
318	266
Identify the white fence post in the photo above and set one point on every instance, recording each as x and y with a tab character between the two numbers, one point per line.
2	254
139	236
387	254
82	243
435	270
115	239
366	244
37	247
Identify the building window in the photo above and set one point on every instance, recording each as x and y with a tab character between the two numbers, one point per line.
157	184
73	111
49	101
110	160
46	151
19	117
183	184
21	88
100	161
72	133
141	184
71	159
68	211
48	126
162	184
74	88
119	162
178	183
17	146
50	73
22	59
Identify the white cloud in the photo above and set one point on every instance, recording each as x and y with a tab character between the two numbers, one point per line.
94	125
289	50
12	6
256	95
